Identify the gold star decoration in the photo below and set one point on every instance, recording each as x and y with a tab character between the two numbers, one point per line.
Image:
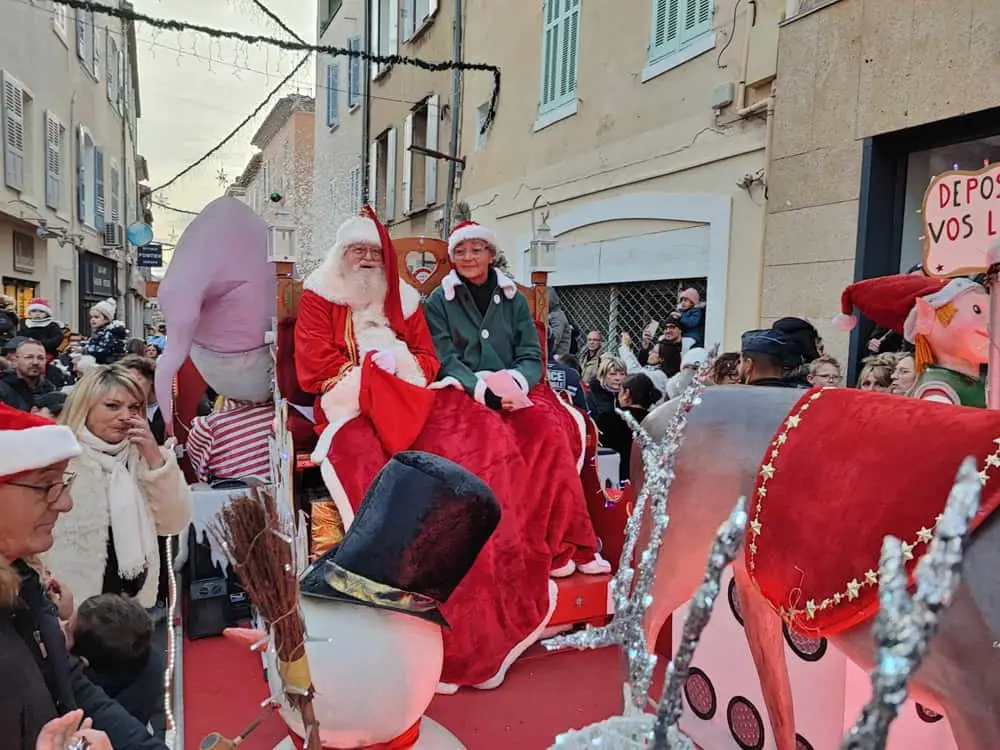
925	535
811	609
907	550
755	527
983	477
871	576
767	471
793	421
853	589
781	439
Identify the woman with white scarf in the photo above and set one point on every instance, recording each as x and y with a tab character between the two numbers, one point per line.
127	491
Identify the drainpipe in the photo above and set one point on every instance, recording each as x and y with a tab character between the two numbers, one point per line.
456	120
123	198
366	107
73	218
768	139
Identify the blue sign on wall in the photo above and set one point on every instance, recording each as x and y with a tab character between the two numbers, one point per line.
150	256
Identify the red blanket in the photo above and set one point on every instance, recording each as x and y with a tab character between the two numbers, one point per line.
528	458
845	469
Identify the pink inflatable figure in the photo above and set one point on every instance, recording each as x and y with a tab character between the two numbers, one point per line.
218	298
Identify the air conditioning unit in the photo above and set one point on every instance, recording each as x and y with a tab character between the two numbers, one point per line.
114	235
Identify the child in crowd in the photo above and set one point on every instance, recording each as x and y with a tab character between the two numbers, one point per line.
113	635
49	405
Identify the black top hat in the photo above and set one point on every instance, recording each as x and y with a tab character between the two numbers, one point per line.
418	531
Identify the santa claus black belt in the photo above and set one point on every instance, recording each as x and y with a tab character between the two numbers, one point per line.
377	594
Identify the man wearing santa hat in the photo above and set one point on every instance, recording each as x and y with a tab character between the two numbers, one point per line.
947	321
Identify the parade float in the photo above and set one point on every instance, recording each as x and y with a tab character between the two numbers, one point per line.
663	547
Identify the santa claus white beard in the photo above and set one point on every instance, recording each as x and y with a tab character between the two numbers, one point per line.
366	286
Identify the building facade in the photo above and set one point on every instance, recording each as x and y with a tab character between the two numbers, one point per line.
862	124
70	178
283	165
643	136
411	111
339	139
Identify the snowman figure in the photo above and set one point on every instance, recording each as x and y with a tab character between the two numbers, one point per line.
371	605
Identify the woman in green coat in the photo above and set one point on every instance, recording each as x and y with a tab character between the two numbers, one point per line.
481	325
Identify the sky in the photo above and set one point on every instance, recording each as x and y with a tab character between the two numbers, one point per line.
194	90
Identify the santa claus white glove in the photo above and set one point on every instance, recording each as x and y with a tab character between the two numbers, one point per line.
385	360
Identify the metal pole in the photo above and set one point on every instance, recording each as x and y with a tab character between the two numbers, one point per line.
456	119
366	112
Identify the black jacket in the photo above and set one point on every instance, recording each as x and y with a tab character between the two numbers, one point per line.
48	681
140	694
50	336
8	326
17	393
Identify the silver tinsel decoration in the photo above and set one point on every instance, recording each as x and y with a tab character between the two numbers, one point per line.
632	601
728	543
904	627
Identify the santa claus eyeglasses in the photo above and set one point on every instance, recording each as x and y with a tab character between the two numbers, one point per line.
54	491
362	251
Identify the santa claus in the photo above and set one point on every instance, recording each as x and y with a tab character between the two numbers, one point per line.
363	346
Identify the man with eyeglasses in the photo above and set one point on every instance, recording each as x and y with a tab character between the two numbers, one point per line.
21	385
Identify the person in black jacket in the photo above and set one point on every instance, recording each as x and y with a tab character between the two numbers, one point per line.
20	386
108	337
763	357
42	680
8	319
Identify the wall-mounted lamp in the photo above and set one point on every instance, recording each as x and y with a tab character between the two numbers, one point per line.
542	253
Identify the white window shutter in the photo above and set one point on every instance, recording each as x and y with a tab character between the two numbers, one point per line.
407	164
409	21
98	189
430	163
53	161
393	28
110	55
354	72
81	176
550	52
115	193
376	35
390	174
568	53
373	175
13	133
81	34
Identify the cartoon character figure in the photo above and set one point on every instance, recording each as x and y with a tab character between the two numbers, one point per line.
946	320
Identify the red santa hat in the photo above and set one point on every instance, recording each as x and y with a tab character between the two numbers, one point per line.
367	229
40	304
470	230
29	442
890	301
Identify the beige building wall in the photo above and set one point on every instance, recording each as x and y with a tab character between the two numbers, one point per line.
75	71
642	149
849	70
405	93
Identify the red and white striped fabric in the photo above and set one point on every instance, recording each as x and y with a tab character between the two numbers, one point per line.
232	443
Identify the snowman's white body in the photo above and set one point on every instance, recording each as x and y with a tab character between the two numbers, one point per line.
374	671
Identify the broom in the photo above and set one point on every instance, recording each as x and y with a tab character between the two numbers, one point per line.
261	551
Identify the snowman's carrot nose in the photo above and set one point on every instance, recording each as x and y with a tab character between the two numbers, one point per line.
247	637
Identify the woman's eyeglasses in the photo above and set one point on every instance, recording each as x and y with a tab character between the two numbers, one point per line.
56	489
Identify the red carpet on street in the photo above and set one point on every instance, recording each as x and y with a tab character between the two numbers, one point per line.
544	695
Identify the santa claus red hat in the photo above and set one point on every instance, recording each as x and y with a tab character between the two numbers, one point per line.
40	304
890	301
469	230
357	230
29	442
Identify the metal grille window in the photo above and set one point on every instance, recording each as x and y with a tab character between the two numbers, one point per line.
614	308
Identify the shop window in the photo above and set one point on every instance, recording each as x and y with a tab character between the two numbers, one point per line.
22	292
921	168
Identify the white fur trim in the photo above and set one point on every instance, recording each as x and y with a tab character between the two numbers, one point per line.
515	653
327	282
951	291
451	282
35	307
36	448
337	493
358	230
340	403
522	383
480	392
471	232
446	688
448	382
580	420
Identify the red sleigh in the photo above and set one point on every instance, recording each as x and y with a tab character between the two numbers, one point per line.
423	263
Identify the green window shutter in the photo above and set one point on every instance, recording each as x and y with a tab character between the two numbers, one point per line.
560	52
697	19
665	28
